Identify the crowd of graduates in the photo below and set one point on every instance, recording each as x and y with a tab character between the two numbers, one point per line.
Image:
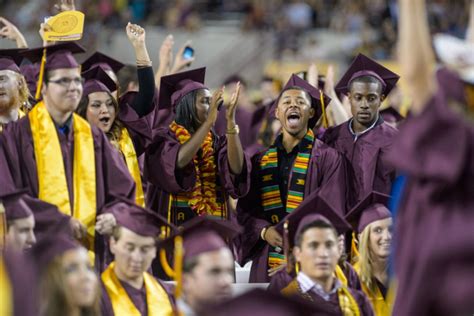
140	198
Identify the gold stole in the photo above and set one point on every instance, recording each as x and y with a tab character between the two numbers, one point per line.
51	175
157	299
6	297
128	151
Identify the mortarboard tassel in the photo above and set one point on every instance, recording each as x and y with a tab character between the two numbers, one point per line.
178	265
286	248
41	75
165	265
3	227
323	109
354	247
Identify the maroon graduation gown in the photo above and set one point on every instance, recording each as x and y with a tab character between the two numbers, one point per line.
436	151
326	173
112	176
367	157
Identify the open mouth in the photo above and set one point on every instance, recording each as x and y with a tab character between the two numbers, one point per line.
3	93
105	120
293	119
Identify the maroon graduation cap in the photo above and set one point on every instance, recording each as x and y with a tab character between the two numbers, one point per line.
100	59
364	66
10	59
390	114
31	73
174	87
372	208
97	80
15	205
319	101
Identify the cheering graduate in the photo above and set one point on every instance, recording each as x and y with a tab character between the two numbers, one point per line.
60	158
365	139
128	288
193	169
311	232
435	151
13	88
293	167
373	222
207	264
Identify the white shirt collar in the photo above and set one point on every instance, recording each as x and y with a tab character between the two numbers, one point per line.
307	284
356	135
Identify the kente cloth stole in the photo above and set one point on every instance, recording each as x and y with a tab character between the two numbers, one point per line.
273	207
206	198
128	151
52	176
157	299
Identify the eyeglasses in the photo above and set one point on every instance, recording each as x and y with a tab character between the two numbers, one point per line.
66	82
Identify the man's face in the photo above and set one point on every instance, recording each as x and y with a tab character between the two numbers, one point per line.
294	111
9	91
365	99
64	90
21	234
318	253
133	253
211	279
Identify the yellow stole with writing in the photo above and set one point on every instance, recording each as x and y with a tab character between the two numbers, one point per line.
52	176
128	151
157	299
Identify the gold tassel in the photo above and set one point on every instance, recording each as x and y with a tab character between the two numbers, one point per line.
286	248
3	227
323	109
166	266
178	265
354	248
41	75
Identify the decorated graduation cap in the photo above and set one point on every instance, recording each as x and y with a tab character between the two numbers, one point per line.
51	247
10	59
364	66
102	60
59	56
176	86
319	101
14	205
372	208
97	80
259	302
200	235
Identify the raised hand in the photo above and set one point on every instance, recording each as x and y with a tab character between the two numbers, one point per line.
217	99
179	62
10	31
79	231
166	54
313	75
105	223
232	106
136	34
65	5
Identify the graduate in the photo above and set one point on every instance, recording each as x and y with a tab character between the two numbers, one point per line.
128	289
60	158
373	222
283	175
435	152
365	139
13	88
207	263
194	170
313	239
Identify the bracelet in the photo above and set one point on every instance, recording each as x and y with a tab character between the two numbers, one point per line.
144	63
262	233
234	130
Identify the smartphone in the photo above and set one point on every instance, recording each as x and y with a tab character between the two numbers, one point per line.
188	52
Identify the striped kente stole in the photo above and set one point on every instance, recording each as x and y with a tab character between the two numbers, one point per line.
272	203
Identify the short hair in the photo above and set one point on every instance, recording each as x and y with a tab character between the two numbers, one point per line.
310	99
190	264
367	79
117	232
314	224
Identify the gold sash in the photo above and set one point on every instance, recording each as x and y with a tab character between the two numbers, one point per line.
157	299
51	175
128	151
6	298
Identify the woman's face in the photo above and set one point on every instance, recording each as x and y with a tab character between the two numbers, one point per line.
381	238
202	104
101	110
80	279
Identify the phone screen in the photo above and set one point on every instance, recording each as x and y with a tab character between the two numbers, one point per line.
188	52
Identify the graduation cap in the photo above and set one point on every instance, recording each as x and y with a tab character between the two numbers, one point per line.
364	66
31	73
97	80
10	59
372	208
197	236
15	205
139	220
390	114
174	87
53	57
259	302
100	59
319	101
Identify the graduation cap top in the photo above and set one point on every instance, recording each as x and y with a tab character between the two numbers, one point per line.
15	205
50	247
372	208
57	56
364	66
97	80
319	101
174	87
100	59
10	59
